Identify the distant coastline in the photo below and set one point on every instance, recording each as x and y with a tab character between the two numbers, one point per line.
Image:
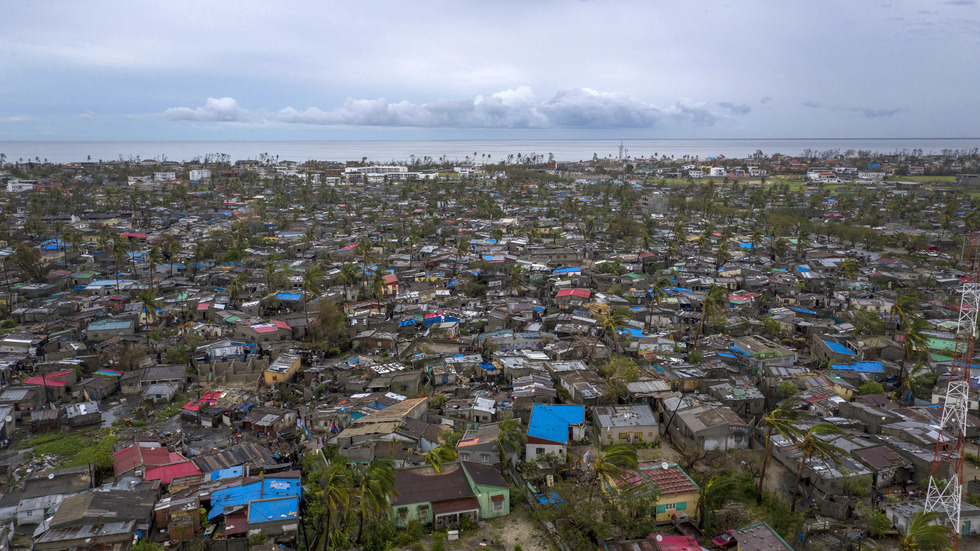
458	150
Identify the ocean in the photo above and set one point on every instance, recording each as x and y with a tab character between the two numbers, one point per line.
458	150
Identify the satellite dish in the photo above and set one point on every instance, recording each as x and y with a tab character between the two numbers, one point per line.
659	538
8	418
665	465
50	476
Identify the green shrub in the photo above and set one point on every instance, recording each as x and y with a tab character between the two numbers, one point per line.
438	541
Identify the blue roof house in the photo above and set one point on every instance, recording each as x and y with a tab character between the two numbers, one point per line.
551	428
833	352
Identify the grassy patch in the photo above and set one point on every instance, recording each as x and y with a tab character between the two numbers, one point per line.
925	178
74	449
173	408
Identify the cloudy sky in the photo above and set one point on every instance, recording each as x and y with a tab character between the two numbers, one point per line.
201	70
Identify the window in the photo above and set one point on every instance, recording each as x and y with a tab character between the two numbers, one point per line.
539	451
484	457
670	506
465	456
498	504
403	513
623	435
423	511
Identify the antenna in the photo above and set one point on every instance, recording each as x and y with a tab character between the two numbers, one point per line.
945	493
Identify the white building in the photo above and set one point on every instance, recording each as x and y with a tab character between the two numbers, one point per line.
376	169
696	174
718	171
200	175
164	176
18	186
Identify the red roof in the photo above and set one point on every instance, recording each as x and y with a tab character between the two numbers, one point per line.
581	293
671	481
209	398
391	279
129	458
135	235
678	543
264	328
202	306
281	324
167	473
56	379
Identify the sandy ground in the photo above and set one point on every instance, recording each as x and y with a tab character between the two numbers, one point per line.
500	534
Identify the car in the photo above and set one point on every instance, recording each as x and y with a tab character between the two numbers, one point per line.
724	541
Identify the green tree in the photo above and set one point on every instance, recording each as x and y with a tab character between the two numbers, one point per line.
611	464
611	323
849	268
924	534
811	446
335	494
715	301
510	439
780	421
787	388
374	485
914	382
720	489
443	453
871	387
350	274
31	265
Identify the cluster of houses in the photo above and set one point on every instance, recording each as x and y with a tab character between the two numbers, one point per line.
454	316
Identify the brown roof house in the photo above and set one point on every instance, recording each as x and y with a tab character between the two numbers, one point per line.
441	498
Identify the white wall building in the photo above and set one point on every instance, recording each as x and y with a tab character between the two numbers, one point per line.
200	175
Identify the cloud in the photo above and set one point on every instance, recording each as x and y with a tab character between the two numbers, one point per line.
214	110
15	118
88	115
867	112
960	3
512	108
736	108
766	99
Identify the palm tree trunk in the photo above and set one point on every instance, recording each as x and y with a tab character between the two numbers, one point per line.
326	533
796	486
766	457
596	343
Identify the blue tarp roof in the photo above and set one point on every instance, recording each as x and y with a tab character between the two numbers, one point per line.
861	367
268	488
273	510
803	310
488	366
726	355
233	472
632	332
550	422
406	323
289	296
566	270
838	348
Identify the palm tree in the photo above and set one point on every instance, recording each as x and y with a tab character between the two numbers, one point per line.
779	421
658	289
778	248
517	278
915	340
462	247
374	485
849	268
118	249
714	302
150	306
720	489
757	236
811	446
236	288
906	308
336	496
349	275
923	534
613	322
153	257
311	287
510	438
443	453
378	285
912	380
611	464
364	249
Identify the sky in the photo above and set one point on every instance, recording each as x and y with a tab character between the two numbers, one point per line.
324	70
